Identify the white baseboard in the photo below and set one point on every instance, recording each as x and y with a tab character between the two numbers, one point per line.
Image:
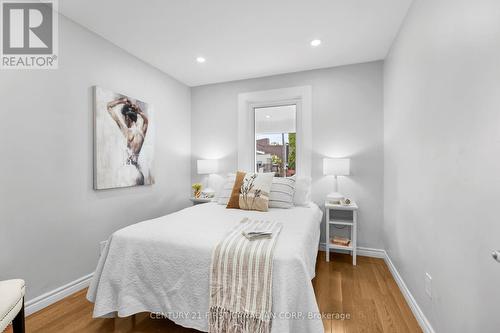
424	323
42	301
370	252
422	320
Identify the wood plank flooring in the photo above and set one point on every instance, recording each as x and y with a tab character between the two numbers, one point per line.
362	298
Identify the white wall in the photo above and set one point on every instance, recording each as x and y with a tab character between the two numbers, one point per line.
442	160
51	220
347	121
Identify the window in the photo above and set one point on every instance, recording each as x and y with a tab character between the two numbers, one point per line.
249	101
276	139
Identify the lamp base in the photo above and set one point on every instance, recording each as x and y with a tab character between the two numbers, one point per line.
335	198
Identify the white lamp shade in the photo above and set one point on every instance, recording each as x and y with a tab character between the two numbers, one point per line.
207	166
336	166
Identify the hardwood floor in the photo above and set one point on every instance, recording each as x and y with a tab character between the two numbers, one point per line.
366	296
366	292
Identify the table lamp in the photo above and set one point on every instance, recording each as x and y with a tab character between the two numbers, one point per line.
336	167
208	167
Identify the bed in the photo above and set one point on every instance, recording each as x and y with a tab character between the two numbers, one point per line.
162	266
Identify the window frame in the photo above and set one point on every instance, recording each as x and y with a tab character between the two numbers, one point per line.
302	96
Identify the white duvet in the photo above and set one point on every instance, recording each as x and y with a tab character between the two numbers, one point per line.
162	266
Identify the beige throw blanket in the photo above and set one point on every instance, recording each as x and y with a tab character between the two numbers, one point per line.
241	280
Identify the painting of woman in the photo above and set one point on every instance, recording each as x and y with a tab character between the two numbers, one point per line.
123	146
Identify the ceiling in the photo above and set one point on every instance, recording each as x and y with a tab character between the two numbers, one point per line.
243	39
275	119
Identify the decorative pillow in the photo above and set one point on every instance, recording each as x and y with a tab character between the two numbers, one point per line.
235	193
302	196
225	191
282	192
255	190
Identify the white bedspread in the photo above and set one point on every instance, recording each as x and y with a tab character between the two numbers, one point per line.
163	265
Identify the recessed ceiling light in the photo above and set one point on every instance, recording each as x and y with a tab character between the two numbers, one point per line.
315	42
268	116
201	60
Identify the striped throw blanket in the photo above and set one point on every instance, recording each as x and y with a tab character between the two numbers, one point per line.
241	280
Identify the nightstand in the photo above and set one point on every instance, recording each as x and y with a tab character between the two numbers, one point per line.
197	201
341	216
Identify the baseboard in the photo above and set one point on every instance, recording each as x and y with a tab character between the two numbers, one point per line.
42	301
370	252
424	323
422	320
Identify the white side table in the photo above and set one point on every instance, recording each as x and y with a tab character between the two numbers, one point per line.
352	224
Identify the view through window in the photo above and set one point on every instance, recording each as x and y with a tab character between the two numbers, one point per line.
275	140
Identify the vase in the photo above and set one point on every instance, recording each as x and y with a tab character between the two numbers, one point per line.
197	194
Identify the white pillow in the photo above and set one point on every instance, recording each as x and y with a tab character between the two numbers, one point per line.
282	192
226	189
302	195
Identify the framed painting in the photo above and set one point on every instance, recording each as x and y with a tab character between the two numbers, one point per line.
123	141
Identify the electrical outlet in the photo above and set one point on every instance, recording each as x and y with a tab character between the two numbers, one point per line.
428	285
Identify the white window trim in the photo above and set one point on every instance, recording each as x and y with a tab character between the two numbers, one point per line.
302	97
